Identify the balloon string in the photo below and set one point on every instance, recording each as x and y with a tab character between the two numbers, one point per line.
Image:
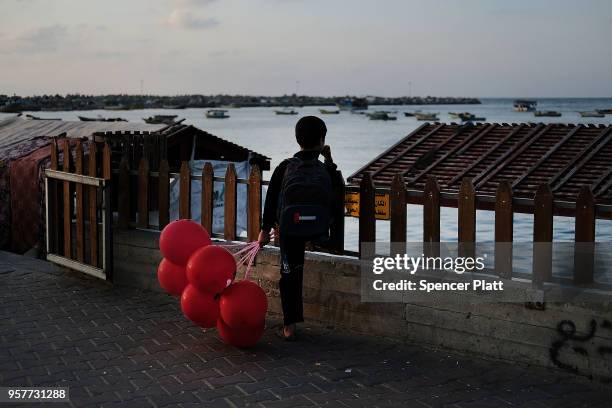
251	259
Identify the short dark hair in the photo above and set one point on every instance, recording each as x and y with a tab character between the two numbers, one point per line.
309	130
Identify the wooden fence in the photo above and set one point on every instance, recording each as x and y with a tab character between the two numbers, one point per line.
143	181
466	201
78	216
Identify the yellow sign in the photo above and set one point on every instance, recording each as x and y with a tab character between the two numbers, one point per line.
351	203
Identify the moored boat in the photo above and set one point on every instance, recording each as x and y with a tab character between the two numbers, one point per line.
329	112
525	105
101	119
353	104
552	114
286	111
381	115
217	114
411	114
604	111
591	114
161	119
426	116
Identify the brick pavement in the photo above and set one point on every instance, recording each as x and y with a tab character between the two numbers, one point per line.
121	347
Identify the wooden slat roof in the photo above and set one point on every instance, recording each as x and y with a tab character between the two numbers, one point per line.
527	155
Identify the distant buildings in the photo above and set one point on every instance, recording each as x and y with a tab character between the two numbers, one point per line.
16	104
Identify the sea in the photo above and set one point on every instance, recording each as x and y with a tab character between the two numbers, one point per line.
355	140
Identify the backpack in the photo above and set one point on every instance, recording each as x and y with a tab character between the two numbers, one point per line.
305	200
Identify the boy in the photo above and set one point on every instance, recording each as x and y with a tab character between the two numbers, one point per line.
299	200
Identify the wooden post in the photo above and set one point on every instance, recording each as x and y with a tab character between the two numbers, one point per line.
336	229
164	193
431	218
185	191
124	193
143	193
254	204
67	203
230	203
54	214
93	206
367	213
398	215
504	218
80	224
106	162
542	235
208	184
466	219
584	254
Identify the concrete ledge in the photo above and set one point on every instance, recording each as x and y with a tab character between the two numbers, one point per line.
573	337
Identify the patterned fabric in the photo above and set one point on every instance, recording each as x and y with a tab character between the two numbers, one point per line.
27	202
7	156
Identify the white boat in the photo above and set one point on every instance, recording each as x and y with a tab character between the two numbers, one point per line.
217	114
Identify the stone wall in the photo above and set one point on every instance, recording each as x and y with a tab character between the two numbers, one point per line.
572	337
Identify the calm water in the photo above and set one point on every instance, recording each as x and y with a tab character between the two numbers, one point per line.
355	140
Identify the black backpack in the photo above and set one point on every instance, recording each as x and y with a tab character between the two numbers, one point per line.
305	200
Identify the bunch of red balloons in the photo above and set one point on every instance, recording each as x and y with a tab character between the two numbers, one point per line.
202	274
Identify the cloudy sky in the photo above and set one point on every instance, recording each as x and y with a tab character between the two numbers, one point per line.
537	48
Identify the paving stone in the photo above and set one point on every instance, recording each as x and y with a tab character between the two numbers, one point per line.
122	347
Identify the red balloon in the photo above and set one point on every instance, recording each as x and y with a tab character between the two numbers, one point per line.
172	277
211	269
243	305
200	307
180	239
239	337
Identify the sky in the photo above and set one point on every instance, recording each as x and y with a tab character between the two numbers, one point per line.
474	48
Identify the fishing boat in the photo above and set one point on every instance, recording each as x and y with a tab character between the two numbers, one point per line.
32	117
455	115
525	105
329	112
101	119
472	118
161	119
217	114
382	115
286	111
465	116
353	104
551	114
591	114
604	111
411	114
426	116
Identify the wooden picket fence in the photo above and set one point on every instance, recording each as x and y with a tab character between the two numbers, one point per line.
144	181
504	204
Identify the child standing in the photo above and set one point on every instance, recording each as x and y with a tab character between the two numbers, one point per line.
299	200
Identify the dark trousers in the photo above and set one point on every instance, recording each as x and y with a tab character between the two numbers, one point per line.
291	278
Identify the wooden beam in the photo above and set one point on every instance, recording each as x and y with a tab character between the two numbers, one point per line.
79	201
387	151
254	204
467	141
584	255
123	193
398	215
163	191
504	218
367	214
509	156
462	174
185	191
546	156
208	185
54	233
542	235
407	149
93	206
67	203
143	193
581	159
230	203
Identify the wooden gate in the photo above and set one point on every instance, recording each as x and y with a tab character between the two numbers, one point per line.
78	207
